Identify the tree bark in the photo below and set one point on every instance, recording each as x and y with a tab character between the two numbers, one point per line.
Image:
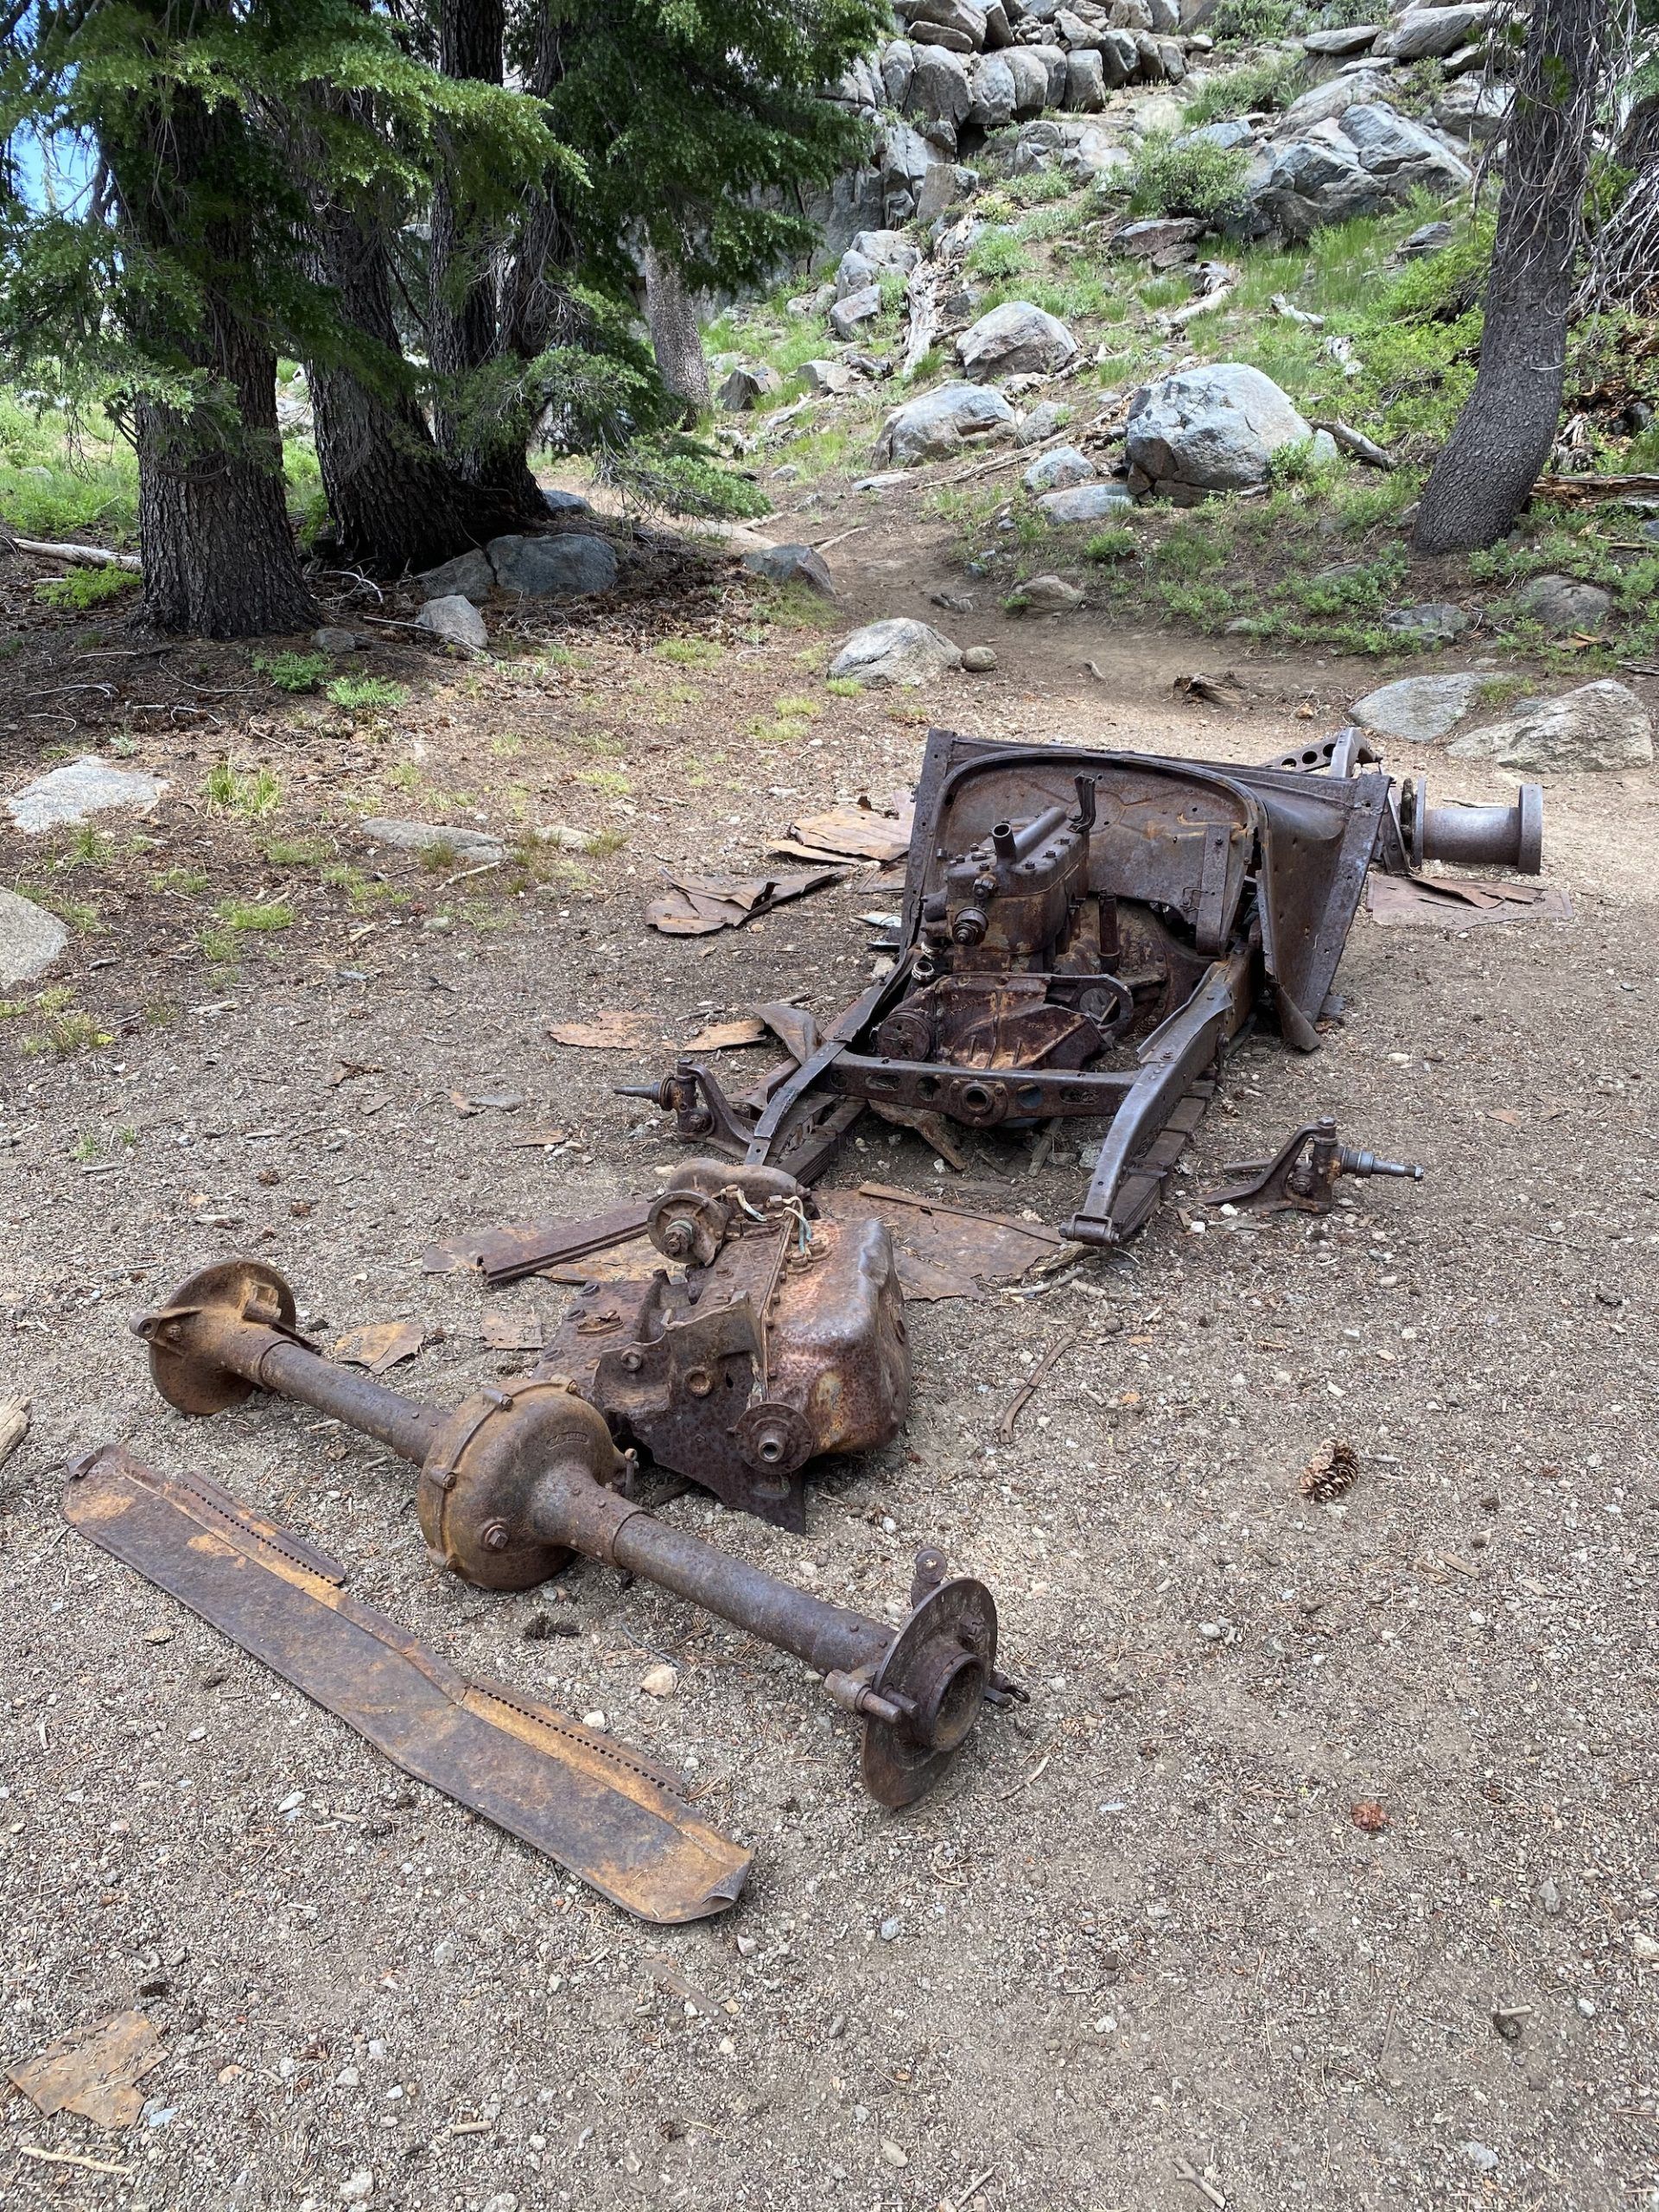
1502	437
396	504
675	338
484	444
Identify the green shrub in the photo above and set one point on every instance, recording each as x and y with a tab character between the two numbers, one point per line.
1272	82
84	588
292	671
683	479
996	253
1252	22
1203	181
1116	543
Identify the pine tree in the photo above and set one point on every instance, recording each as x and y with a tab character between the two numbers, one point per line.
167	287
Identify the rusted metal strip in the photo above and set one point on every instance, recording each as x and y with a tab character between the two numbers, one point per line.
505	1254
602	1812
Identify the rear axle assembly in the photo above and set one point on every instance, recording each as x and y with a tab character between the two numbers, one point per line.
515	1480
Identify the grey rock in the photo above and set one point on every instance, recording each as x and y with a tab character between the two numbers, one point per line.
1057	468
944	184
898	652
82	787
1166	17
1432	238
1316	179
1599	726
334	641
939	88
455	619
1085	81
1119	56
930	36
1324	102
567	567
1095	155
942	421
996	95
1042	422
1549	1896
954	602
1337	44
903	158
1564	603
1085	503
421	836
897	65
847	314
1471	108
1013	338
811	303
1434	617
563	503
998	30
792	564
1481	2156
1650	531
961	17
1074	33
1423	32
1132	15
469	574
887	481
1233	131
1054	59
1157	236
1049	595
746	384
891	1930
1216	429
825	376
1402	152
30	939
1417	709
979	660
873	255
1029	71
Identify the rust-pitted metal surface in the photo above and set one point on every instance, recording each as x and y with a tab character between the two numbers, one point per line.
598	1810
783	1340
1085	933
514	1480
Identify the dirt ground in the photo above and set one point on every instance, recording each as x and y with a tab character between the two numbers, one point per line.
1148	1947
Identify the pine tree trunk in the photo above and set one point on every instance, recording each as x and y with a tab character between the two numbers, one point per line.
1502	439
482	448
396	503
675	338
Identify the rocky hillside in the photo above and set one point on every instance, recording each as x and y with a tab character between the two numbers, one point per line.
1178	314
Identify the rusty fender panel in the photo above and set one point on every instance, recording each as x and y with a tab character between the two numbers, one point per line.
602	1812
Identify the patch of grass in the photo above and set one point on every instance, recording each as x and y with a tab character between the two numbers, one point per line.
61	477
1117	544
843	687
65	1034
1253	22
439	856
1269	83
85	587
74	913
185	882
995	253
250	795
364	893
1203	181
258	919
364	694
88	847
292	671
691	653
294	852
610	783
791	718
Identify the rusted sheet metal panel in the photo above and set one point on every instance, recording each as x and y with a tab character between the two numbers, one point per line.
603	1812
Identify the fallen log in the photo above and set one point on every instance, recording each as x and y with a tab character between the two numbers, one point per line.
90	556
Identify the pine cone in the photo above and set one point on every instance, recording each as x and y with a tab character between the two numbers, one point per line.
1333	1470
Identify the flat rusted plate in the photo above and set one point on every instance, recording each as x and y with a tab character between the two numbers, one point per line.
945	1250
597	1809
1463	902
94	2071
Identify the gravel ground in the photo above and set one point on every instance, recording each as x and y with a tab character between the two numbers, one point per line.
1304	1794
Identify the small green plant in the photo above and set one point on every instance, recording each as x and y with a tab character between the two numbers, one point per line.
1252	22
186	882
691	653
231	792
292	671
997	253
89	847
65	1033
843	687
1201	180
685	479
439	856
611	783
1117	544
292	852
363	694
85	587
1269	84
258	919
87	1148
76	913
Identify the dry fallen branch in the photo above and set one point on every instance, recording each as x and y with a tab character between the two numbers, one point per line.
1356	443
1573	491
90	556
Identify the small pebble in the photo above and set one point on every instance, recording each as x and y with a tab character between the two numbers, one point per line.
1588	2008
659	1682
979	660
1481	2155
1549	1897
894	2156
891	1930
593	1720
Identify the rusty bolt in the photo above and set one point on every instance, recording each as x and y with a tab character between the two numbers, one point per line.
495	1535
677	1239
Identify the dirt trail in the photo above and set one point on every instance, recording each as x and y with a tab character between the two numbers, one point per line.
1148	1948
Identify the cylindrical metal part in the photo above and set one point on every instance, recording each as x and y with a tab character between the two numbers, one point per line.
291	1371
1040	831
1489	836
830	1638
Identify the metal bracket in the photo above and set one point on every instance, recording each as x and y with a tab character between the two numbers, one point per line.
1302	1174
